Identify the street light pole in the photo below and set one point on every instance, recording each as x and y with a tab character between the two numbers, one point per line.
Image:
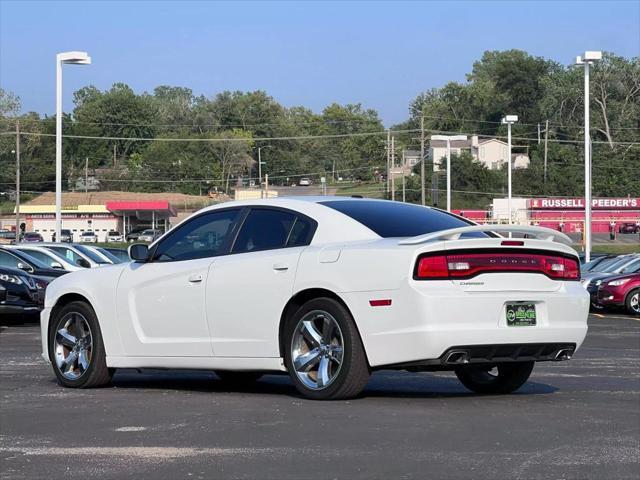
422	169
509	120
589	58
448	139
75	58
260	170
260	163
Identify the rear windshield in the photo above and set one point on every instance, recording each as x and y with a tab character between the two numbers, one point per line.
395	219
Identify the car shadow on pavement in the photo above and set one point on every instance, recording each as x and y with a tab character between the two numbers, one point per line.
382	384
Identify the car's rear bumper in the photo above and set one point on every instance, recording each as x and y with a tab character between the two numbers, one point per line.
424	322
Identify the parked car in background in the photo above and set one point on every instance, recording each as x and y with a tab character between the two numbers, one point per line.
7	237
629	227
20	292
12	258
149	235
133	235
621	291
119	253
609	266
101	255
594	262
596	280
32	237
50	258
114	236
88	237
78	254
66	236
305	182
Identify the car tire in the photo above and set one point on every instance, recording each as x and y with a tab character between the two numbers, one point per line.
508	377
324	354
632	302
79	364
240	378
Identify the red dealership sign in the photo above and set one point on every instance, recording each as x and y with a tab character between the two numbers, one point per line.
578	203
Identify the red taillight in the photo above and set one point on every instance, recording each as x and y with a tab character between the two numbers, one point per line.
467	265
433	267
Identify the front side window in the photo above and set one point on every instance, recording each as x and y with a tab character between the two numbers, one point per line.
205	236
264	229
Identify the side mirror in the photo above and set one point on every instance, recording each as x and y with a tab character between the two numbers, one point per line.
81	262
139	252
25	267
56	265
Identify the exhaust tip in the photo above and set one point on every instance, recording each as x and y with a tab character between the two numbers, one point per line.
457	357
564	354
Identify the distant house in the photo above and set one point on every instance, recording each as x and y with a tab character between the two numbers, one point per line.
491	152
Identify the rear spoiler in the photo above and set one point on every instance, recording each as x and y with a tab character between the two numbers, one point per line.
540	233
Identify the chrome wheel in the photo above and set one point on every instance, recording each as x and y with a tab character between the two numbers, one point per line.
634	302
73	345
317	349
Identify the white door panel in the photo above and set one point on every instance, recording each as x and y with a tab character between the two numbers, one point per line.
246	294
161	309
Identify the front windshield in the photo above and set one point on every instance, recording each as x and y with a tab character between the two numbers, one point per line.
33	260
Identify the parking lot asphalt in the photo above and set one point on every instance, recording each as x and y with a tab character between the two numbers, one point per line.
573	420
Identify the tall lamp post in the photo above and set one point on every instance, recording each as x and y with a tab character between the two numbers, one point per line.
74	58
509	120
260	163
449	139
589	58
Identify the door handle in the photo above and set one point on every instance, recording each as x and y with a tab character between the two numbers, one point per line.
280	267
195	278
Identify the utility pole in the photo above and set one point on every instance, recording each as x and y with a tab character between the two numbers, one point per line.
86	175
393	166
260	173
388	159
266	185
404	183
538	134
422	169
17	181
115	161
546	144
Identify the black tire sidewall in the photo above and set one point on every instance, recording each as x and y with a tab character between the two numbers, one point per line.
511	377
97	354
347	327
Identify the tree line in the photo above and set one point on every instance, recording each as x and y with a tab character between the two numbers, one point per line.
342	141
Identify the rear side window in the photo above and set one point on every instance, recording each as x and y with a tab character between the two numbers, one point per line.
394	219
264	229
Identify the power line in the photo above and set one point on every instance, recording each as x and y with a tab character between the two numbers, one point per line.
302	137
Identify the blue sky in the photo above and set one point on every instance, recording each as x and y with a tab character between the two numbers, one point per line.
381	54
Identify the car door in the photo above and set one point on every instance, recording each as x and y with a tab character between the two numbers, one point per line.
248	289
161	302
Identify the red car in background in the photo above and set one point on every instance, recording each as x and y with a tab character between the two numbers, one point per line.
621	291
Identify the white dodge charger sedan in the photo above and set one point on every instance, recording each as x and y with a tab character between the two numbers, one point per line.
327	289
